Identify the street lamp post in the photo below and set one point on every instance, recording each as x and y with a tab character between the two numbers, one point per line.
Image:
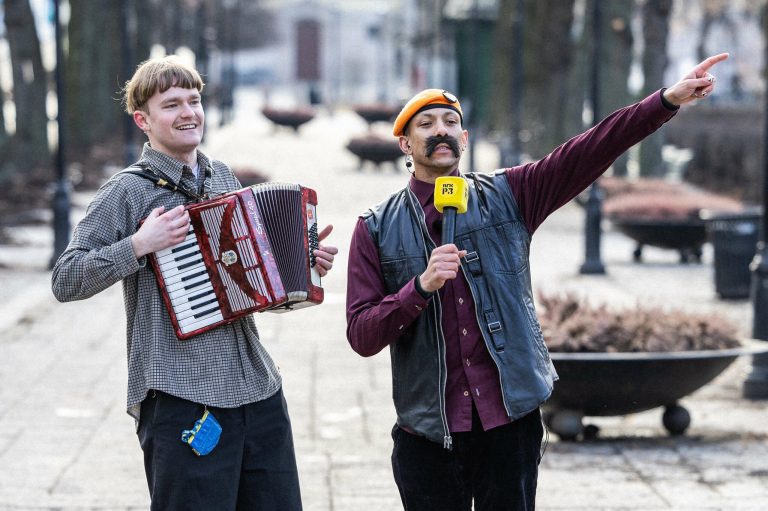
756	384
61	204
594	209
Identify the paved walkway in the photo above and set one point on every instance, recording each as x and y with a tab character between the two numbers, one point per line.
67	444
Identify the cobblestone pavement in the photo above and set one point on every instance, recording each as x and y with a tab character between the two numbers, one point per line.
67	444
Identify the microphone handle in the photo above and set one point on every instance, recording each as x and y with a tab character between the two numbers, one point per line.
449	224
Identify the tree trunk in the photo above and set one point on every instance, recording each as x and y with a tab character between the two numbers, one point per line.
547	67
4	139
502	65
616	57
655	30
93	78
30	141
546	64
615	63
145	32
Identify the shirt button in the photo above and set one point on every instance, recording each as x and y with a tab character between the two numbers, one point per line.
461	300
468	364
466	393
464	331
418	307
401	327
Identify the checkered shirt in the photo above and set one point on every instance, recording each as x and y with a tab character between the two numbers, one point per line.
224	367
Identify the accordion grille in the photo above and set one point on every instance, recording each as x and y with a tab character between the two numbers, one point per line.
282	211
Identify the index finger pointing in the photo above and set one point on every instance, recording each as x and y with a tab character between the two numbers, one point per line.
707	63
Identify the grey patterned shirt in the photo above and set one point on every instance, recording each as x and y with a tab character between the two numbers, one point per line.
224	367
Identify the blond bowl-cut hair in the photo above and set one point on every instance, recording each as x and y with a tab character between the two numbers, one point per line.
158	75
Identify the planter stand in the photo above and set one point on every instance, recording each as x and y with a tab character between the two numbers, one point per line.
569	424
376	150
687	254
687	236
612	384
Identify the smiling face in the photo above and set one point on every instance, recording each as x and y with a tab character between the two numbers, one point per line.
435	140
173	121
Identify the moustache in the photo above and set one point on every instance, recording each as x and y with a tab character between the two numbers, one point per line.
433	142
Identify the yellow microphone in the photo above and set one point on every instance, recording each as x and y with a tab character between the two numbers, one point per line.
451	197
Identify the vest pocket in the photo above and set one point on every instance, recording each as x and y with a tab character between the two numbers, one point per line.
510	241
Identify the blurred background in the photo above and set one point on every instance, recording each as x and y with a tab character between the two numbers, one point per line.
520	67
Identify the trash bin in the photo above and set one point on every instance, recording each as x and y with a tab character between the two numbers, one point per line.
734	238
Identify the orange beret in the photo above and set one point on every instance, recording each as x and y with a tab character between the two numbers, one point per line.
424	100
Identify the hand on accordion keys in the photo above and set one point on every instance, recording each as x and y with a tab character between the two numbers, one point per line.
160	230
324	254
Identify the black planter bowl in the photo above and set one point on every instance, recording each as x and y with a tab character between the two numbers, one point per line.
610	384
374	149
291	118
376	112
684	235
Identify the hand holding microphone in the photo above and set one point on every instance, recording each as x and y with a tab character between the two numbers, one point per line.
451	198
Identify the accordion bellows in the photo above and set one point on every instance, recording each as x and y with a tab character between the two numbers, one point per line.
246	251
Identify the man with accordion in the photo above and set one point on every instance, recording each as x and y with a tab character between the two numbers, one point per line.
211	417
455	308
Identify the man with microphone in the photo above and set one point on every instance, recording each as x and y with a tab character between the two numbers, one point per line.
469	364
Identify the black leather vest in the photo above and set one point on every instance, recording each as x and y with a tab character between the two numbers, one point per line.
496	268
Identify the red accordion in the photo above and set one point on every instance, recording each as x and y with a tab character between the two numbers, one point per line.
247	251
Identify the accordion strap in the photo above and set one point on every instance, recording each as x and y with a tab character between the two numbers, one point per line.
138	170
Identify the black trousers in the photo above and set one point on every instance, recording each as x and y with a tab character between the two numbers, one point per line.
253	467
497	468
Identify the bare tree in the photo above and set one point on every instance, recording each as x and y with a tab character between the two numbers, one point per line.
655	31
92	80
4	136
546	65
616	57
28	150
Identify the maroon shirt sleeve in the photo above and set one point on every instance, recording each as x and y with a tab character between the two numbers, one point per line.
542	187
374	318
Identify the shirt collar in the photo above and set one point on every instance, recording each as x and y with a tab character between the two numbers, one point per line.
425	191
168	165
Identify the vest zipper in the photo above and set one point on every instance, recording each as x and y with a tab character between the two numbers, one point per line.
442	370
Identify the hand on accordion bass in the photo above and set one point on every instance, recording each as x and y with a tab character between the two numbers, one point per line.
324	253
